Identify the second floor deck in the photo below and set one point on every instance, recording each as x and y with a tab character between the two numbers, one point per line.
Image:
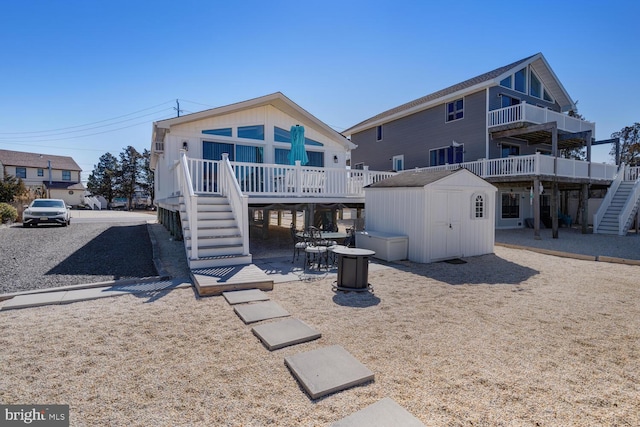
523	113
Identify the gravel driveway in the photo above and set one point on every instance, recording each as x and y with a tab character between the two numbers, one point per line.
50	256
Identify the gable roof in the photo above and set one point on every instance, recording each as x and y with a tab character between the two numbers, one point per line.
277	100
37	160
491	78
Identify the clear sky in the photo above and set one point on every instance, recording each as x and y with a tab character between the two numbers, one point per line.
84	77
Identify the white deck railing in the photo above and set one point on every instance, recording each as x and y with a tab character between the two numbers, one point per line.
284	180
238	201
524	112
185	181
535	164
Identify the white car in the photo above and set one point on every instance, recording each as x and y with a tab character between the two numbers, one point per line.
46	211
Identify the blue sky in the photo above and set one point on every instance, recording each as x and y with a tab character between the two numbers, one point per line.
82	78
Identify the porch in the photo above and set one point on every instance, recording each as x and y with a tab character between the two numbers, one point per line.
524	114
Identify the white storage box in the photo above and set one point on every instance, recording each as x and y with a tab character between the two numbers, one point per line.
387	246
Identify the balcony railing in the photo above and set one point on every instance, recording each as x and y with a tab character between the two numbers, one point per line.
534	165
527	113
284	180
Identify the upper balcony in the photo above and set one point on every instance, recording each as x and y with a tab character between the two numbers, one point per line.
524	114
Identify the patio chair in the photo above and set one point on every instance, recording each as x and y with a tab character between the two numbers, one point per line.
299	243
316	249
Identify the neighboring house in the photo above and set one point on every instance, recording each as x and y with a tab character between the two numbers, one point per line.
507	126
213	167
46	176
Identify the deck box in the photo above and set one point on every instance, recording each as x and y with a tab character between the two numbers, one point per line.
387	246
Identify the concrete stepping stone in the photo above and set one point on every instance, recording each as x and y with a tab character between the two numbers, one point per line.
383	413
327	370
241	297
250	313
284	333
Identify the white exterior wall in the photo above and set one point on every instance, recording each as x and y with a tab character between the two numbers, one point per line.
70	199
268	116
409	211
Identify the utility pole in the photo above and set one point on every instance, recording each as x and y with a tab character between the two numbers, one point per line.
177	107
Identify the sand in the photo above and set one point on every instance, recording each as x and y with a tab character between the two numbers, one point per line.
515	338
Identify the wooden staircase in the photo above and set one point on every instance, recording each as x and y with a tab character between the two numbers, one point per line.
609	223
219	238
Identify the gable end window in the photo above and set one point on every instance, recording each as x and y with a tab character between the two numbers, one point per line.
379	133
521	80
455	110
251	132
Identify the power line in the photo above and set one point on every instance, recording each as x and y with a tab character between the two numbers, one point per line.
82	130
87	124
83	136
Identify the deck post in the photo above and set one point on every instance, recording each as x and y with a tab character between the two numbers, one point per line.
584	208
554	209
536	208
266	213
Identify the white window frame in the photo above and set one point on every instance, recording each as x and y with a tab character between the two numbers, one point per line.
446	110
483	208
399	157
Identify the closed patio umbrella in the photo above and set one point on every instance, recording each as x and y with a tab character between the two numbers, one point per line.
298	151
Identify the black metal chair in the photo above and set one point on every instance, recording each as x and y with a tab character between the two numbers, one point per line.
316	248
299	243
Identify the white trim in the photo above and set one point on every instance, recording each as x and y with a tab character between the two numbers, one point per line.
393	162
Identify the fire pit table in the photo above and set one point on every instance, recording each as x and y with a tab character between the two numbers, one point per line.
353	268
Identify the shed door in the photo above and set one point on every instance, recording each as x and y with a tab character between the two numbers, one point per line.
445	239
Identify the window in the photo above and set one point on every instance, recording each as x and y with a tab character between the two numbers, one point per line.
220	132
358	166
478	206
509	150
21	173
510	205
398	162
66	175
316	158
40	172
536	86
240	153
283	135
508	101
446	155
455	110
521	80
251	132
379	133
506	82
546	96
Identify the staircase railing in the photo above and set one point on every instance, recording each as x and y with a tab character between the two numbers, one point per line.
230	188
606	202
191	205
626	215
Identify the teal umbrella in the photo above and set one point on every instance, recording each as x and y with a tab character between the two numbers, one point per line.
297	146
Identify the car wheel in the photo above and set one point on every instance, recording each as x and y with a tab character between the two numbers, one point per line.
25	225
64	224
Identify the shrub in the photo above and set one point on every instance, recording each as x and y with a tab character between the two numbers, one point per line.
7	213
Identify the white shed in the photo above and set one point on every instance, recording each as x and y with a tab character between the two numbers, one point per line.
446	214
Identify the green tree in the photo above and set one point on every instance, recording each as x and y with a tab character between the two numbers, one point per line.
129	173
103	179
146	176
11	188
629	145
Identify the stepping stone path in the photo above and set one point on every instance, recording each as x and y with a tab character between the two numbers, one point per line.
320	372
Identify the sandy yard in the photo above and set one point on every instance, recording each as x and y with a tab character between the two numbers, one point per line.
515	338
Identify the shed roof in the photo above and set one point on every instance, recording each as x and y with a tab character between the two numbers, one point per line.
37	160
422	178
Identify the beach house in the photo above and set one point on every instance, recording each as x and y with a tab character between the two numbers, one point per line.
217	169
509	126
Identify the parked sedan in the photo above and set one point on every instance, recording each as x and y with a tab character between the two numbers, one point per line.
46	211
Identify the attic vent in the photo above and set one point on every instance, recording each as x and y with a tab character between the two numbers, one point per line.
160	147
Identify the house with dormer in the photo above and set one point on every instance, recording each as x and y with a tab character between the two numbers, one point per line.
45	175
509	126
